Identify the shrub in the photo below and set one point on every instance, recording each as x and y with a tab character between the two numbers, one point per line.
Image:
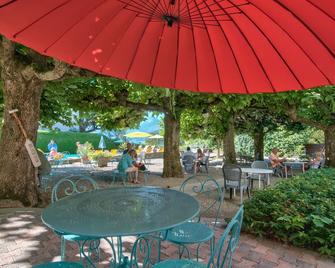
300	211
67	140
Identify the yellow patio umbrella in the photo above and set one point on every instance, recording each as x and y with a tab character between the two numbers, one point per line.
138	135
156	138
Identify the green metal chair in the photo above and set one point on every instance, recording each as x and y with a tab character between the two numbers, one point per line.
60	264
69	186
210	196
223	253
232	175
116	174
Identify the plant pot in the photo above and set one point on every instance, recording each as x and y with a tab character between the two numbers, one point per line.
103	161
85	159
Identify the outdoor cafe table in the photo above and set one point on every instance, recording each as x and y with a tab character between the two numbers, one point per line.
120	211
291	164
260	172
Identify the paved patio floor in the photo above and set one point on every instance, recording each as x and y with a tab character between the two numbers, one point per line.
25	241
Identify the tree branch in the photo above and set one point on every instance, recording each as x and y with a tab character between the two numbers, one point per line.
291	111
57	73
7	63
121	101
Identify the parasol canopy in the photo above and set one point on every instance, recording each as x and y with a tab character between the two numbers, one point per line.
102	144
218	46
138	135
156	137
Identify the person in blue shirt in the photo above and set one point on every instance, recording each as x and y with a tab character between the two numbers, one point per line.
126	165
52	146
129	147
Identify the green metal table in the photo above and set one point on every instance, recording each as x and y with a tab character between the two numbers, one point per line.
120	211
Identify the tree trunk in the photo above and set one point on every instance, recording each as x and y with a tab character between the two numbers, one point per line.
229	144
17	175
172	166
259	144
330	145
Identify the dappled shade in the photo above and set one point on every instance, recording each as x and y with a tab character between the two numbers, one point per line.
219	46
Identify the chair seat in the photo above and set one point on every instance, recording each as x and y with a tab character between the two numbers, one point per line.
190	233
71	237
61	264
235	184
179	264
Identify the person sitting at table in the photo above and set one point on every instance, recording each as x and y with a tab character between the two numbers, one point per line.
200	159
188	160
317	161
129	147
188	152
276	162
126	165
52	145
53	154
136	163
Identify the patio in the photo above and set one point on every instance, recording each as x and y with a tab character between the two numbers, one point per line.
254	78
25	241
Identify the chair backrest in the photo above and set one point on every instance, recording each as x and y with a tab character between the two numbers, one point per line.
188	159
322	163
222	255
209	194
72	185
259	164
232	174
188	162
45	168
146	251
206	159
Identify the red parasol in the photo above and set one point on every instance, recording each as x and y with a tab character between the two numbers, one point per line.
220	46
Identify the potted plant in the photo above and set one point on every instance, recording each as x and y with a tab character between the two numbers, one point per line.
101	157
83	150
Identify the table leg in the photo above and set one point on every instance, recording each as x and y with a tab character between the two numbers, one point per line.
93	245
285	170
269	182
259	181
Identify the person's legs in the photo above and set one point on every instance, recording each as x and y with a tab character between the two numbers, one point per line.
133	171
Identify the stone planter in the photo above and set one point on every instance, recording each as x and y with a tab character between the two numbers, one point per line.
85	159
103	161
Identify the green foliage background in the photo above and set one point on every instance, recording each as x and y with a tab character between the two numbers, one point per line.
66	141
290	142
299	211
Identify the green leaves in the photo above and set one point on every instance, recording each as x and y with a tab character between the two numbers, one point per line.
300	211
321	221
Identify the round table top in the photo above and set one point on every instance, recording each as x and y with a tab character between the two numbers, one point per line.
295	162
257	170
120	211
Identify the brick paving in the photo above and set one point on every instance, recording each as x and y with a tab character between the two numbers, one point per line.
25	241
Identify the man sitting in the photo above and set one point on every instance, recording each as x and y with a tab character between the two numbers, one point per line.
276	162
129	147
188	152
126	166
188	160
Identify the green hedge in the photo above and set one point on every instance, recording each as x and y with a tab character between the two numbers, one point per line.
299	211
66	141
